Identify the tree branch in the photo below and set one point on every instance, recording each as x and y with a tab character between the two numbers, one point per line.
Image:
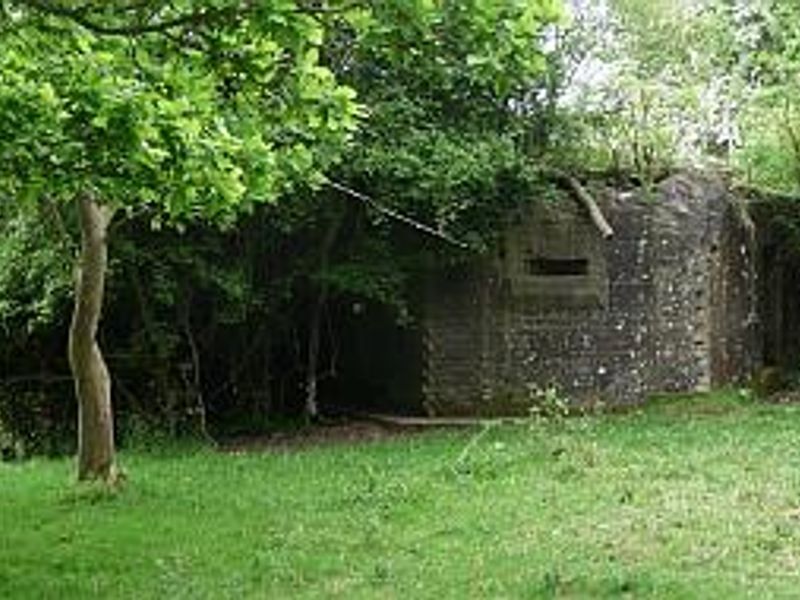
396	215
197	18
81	17
587	201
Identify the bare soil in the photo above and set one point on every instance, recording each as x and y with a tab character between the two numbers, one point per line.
347	432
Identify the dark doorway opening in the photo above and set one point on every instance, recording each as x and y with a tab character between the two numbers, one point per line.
378	362
778	224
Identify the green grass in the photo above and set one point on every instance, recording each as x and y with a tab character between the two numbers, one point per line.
691	499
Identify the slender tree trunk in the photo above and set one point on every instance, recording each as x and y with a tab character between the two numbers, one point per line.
311	407
312	380
96	456
193	382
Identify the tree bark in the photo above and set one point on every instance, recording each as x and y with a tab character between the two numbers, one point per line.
311	408
96	455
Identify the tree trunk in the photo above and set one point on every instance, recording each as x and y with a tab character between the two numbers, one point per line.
96	460
311	407
193	383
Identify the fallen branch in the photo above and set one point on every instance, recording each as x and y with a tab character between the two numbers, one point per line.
434	422
583	196
586	199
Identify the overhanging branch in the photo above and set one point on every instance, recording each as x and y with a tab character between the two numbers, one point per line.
396	215
82	15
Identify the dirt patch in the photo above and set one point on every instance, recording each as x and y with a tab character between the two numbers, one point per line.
338	433
784	397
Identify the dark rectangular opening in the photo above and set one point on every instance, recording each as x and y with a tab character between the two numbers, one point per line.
556	267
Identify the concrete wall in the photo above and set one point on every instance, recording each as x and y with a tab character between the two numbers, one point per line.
666	305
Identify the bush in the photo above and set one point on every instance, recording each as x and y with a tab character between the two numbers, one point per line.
10	448
35	421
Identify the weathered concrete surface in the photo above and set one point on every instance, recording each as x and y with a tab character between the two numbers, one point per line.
667	305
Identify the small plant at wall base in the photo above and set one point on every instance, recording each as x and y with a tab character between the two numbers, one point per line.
548	403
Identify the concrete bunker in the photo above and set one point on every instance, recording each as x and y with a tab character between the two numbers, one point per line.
668	304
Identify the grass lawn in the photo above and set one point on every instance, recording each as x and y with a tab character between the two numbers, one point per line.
689	499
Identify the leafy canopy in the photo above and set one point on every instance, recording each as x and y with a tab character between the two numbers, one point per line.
657	84
450	88
197	117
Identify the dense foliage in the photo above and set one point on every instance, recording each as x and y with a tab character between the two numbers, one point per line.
180	111
398	136
196	130
655	85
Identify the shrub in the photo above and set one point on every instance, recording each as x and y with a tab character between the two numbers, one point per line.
34	422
